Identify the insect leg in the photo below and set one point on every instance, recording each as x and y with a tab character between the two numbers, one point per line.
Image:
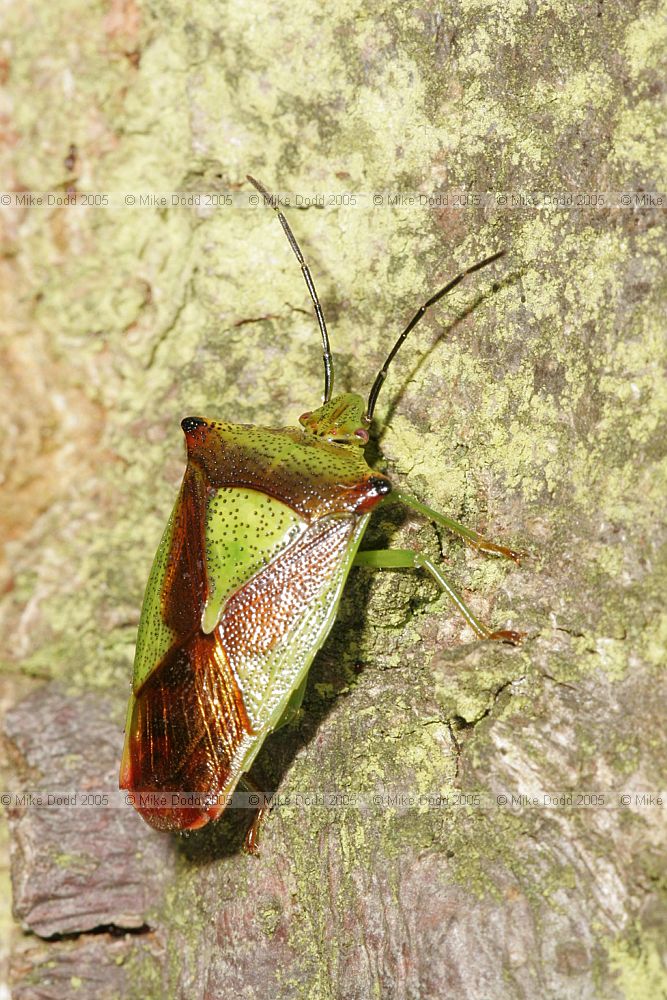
472	537
407	559
251	840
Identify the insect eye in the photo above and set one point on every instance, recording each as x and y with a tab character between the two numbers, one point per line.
305	416
361	433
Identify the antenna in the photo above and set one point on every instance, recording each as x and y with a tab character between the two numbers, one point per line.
382	374
326	348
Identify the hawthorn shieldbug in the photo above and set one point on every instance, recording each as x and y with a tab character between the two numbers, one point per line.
246	583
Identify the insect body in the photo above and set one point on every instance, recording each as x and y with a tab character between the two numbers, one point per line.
245	587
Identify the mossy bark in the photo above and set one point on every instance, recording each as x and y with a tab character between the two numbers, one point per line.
535	411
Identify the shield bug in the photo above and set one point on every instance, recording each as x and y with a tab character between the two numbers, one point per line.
246	583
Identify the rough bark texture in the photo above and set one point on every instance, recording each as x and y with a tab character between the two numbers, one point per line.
537	413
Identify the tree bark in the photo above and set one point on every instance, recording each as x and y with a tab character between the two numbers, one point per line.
506	834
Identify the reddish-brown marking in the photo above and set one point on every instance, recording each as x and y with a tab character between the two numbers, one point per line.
267	608
240	456
187	725
185	588
189	719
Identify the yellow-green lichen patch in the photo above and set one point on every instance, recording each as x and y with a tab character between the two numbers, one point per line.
637	966
584	91
645	40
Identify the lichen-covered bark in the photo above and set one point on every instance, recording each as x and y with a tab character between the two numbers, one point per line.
536	412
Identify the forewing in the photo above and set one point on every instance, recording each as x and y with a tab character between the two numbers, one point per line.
186	732
198	721
272	627
177	587
186	723
245	530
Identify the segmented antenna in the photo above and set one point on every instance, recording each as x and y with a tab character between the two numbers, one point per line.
326	348
382	374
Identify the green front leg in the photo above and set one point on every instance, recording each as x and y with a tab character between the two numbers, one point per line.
472	537
408	559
